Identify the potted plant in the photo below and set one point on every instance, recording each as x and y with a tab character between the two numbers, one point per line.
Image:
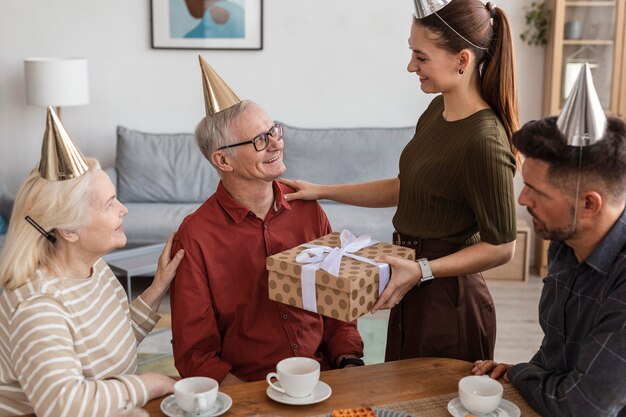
537	21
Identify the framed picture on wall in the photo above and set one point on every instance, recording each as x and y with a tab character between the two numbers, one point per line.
207	24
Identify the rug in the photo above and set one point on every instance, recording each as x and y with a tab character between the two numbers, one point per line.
155	353
373	331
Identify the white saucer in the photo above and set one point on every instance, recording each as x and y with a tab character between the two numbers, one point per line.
321	392
222	404
505	409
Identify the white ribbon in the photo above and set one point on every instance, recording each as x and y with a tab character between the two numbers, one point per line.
329	259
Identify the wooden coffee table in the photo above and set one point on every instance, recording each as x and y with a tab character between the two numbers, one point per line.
412	387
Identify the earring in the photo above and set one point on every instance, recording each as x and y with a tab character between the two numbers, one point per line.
461	71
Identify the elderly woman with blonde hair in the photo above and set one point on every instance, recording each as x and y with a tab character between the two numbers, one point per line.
68	337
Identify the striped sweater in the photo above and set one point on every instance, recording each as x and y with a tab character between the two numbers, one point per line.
68	347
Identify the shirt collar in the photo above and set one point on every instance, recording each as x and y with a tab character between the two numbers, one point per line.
279	192
603	256
237	212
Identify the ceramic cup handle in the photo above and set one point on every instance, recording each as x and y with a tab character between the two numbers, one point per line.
269	377
200	404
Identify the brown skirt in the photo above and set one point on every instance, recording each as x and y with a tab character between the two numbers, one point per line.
452	317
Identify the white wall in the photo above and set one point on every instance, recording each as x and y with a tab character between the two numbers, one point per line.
324	63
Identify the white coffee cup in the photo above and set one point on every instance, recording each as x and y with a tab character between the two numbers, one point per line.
480	394
196	394
297	376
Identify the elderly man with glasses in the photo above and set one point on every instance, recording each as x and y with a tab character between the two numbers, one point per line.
224	325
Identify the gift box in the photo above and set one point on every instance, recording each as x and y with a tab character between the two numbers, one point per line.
335	275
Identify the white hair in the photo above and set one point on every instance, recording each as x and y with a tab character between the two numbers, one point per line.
54	205
213	132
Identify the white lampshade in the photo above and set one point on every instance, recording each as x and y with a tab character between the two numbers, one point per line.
56	82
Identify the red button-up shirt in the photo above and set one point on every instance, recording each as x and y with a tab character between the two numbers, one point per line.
222	318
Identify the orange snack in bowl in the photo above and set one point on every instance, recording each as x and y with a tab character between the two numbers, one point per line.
354	412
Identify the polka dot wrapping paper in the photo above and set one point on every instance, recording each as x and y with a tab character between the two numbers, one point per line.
346	297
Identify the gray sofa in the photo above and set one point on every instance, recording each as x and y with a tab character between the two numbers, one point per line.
163	177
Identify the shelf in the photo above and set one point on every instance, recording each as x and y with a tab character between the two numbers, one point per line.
597	31
594	42
589	4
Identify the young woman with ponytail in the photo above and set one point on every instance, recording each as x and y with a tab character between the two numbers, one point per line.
454	192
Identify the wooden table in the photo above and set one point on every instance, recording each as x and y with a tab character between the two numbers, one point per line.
412	385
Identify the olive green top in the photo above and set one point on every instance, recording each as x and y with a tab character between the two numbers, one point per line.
456	180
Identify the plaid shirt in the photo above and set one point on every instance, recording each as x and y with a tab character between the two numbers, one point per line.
580	368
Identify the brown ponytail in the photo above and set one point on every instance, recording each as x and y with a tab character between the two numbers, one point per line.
498	77
468	25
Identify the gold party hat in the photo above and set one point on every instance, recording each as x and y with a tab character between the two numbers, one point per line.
425	8
60	158
217	95
582	120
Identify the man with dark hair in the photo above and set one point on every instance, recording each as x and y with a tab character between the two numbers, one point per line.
576	196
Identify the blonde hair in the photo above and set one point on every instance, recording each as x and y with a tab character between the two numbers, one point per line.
213	132
53	205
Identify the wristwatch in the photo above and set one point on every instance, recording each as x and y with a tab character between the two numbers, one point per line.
350	361
427	274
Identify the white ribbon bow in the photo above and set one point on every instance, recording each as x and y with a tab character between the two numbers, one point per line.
329	259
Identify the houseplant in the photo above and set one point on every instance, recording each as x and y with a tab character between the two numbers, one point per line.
537	21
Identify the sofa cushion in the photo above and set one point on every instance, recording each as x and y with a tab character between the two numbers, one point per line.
375	222
333	156
163	168
148	223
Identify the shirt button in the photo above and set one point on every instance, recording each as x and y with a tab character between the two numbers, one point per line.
285	317
265	226
295	346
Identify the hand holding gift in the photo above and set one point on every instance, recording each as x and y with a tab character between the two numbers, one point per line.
335	275
406	275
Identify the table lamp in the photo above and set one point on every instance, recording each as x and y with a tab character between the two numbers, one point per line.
56	82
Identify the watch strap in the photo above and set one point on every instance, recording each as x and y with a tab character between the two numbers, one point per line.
427	273
350	361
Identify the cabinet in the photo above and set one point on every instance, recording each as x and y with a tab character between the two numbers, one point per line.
517	268
586	31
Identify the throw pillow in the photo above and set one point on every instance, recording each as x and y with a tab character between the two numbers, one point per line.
162	168
337	155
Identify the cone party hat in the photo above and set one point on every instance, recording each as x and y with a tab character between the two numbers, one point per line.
60	158
425	8
217	95
582	120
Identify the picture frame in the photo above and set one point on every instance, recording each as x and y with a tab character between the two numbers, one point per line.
206	24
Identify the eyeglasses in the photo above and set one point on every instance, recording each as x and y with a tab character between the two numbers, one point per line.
262	141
